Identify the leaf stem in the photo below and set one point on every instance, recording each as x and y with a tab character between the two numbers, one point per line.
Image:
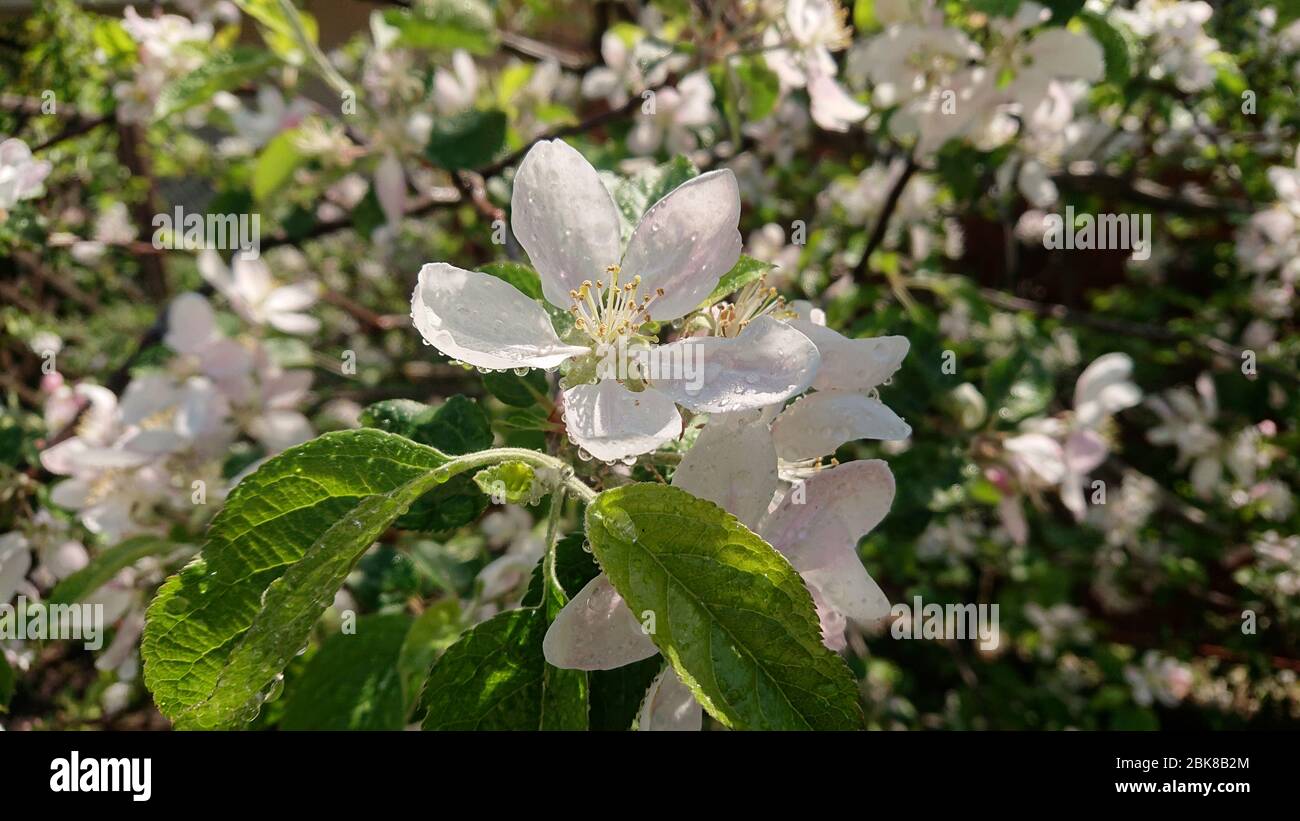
492	456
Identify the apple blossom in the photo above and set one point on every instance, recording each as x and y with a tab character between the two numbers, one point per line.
567	222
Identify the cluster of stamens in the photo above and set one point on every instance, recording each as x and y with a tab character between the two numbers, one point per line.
606	312
754	300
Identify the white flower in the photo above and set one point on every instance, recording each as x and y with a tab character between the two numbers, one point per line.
630	67
1159	678
566	220
254	127
813	29
738	462
455	90
1177	40
1187	422
926	72
678	113
20	175
253	294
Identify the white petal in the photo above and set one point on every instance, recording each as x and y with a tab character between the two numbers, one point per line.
390	188
214	271
669	705
279	430
832	108
596	631
1104	388
1036	456
732	464
252	279
15	561
819	423
291	323
1036	184
564	218
191	324
832	620
289	298
611	422
685	242
767	363
485	321
856	365
1064	53
848	588
825	517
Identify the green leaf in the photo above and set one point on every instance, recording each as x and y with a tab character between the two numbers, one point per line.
353	682
275	164
111	38
220	631
745	271
221	72
452	504
432	633
278	29
103	567
517	391
521	276
864	15
445	25
457	426
495	678
467	140
513	482
762	87
1114	46
1063	10
634	195
730	613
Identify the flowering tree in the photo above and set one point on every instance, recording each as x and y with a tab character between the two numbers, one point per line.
666	365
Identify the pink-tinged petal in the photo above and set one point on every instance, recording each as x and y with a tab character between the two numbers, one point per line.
767	363
15	561
1084	451
1036	457
611	422
390	188
685	242
819	423
832	621
483	320
1012	515
832	108
733	465
856	365
823	519
285	389
225	359
279	430
596	631
565	219
669	706
62	559
191	324
1104	388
